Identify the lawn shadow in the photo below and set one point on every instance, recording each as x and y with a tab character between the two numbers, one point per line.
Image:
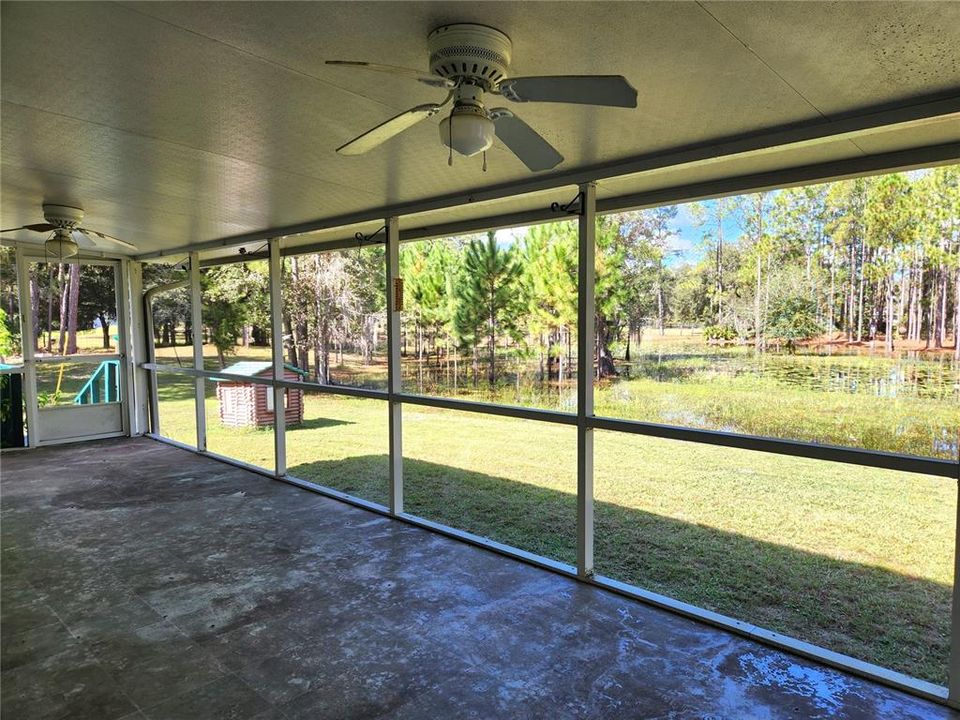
317	424
870	613
171	388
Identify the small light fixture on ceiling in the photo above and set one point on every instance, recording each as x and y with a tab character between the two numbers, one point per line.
61	246
467	129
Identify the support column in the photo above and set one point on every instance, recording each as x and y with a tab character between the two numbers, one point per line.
196	319
586	304
27	341
124	347
393	364
276	341
139	380
953	670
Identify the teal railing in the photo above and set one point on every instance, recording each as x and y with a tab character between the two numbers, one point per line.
102	387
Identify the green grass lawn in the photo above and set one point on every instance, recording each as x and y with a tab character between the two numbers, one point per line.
854	559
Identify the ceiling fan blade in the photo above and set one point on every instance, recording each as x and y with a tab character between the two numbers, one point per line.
384	131
37	227
82	238
104	236
525	142
608	90
424	77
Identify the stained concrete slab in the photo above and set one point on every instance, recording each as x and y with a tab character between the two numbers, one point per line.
144	581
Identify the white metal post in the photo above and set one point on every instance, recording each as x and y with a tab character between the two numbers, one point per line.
138	378
276	340
586	304
124	349
196	321
395	408
953	670
27	340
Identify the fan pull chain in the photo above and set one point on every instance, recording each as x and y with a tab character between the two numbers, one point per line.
450	144
484	160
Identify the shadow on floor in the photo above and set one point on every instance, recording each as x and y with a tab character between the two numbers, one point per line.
867	612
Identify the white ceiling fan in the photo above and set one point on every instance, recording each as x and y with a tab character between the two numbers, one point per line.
64	222
469	60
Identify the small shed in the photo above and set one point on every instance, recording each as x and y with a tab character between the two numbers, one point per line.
247	404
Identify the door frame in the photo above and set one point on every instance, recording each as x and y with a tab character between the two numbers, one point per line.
24	257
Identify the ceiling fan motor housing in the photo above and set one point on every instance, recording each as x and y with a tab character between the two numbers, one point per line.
62	216
473	52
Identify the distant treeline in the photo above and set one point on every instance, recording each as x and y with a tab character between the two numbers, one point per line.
870	259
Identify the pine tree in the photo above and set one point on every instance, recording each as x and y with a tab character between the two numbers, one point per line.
488	292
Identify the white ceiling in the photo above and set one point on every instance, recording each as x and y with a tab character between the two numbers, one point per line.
178	123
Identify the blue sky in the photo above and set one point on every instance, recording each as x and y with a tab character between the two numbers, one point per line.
688	240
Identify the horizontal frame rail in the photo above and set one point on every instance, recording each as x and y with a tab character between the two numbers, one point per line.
78	358
513	411
899	161
270	382
794	448
790	177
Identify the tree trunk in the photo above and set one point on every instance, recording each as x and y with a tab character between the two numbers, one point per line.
660	304
419	357
292	344
757	332
72	308
888	335
492	371
605	364
476	366
321	352
851	294
831	320
64	306
932	310
35	312
719	269
956	317
860	294
105	327
942	329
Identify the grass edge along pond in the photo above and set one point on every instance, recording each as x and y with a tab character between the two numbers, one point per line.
854	559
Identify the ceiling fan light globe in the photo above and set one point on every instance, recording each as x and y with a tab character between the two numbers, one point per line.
467	134
61	246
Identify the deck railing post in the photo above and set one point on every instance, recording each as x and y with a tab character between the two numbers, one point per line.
196	320
276	341
586	304
395	408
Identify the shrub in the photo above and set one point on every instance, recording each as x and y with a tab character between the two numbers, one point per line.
792	319
719	332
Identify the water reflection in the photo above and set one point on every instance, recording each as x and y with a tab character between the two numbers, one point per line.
904	375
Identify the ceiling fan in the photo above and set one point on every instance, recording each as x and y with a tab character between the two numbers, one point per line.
64	221
469	60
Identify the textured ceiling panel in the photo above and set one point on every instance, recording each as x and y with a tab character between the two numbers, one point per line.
177	123
842	55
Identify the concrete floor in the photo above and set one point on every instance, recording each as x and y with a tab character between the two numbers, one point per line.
140	580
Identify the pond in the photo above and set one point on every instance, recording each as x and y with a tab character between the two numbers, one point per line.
906	402
904	374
